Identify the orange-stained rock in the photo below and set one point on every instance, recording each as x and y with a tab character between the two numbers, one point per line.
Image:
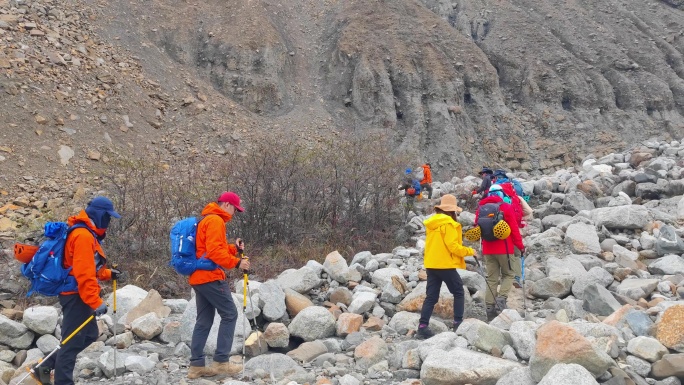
670	328
295	302
374	324
370	352
348	323
335	311
560	343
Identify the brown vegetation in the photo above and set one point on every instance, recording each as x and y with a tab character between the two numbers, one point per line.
302	201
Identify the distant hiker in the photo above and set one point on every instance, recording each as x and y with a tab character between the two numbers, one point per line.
512	189
502	261
212	292
444	253
83	253
426	182
411	186
528	213
487	175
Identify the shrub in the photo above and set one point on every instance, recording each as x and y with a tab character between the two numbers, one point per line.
302	200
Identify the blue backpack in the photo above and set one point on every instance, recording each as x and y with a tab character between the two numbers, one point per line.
518	187
45	270
183	249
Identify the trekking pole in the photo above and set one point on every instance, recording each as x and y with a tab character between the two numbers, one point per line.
256	328
522	265
245	282
116	344
487	283
32	371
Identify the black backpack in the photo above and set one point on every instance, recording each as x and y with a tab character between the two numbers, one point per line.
490	214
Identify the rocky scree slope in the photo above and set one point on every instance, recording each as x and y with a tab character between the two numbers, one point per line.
605	295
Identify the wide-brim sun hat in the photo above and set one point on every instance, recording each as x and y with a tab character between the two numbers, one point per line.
449	202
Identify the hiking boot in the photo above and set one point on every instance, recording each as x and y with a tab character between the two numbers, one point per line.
42	375
501	303
227	367
457	324
424	332
200	371
491	312
517	283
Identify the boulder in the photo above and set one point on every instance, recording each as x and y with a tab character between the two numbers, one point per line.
669	365
370	352
308	351
312	323
670	328
272	300
598	300
558	286
278	365
483	336
637	288
277	335
348	323
582	238
559	343
41	319
667	265
127	298
621	217
382	277
668	242
295	302
568	374
301	280
362	302
462	366
147	326
650	349
152	303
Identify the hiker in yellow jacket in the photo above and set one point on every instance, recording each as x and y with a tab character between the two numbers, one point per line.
444	253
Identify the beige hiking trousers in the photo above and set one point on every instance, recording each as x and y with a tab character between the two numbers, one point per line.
498	268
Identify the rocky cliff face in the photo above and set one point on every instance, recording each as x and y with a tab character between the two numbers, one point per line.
522	84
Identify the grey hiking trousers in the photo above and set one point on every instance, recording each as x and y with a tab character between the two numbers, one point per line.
213	297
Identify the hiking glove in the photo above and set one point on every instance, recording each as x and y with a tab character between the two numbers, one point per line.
118	275
101	310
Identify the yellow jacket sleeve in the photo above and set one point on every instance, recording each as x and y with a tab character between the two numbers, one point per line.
453	239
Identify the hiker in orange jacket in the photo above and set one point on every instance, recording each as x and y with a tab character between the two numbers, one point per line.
212	292
83	253
426	182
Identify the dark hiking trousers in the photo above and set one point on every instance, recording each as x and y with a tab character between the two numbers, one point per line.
427	187
74	313
213	297
435	277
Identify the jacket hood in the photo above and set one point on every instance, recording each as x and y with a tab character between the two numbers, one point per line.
438	220
490	199
213	208
83	217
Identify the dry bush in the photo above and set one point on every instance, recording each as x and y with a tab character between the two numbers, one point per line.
302	200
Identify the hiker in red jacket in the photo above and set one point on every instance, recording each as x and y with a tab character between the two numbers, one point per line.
502	261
